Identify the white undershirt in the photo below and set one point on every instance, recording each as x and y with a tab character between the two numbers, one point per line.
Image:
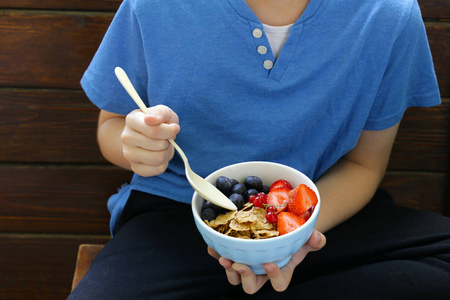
277	36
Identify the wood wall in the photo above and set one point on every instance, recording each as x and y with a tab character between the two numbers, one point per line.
54	182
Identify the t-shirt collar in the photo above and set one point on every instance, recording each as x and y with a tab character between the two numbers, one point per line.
245	12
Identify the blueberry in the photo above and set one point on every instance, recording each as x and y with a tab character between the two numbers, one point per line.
206	205
252	192
238	200
209	214
239	189
253	182
233	182
265	189
223	184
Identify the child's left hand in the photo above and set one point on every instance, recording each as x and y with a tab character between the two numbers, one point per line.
279	278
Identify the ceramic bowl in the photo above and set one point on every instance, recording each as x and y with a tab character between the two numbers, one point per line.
255	253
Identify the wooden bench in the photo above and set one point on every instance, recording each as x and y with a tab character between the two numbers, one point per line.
55	182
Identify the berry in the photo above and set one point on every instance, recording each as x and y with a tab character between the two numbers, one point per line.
279	198
238	200
271	217
265	189
302	198
251	198
272	208
258	202
253	182
223	184
239	189
233	182
281	183
206	205
288	222
209	214
252	192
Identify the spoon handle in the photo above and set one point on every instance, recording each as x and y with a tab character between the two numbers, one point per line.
128	86
126	83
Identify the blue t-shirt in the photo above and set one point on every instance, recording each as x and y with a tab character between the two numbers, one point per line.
347	66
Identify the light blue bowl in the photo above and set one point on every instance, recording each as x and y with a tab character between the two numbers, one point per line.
255	253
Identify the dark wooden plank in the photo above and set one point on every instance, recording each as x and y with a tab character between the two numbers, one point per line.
57	199
41	49
426	191
430	8
60	126
48	126
95	5
439	9
438	36
39	266
423	140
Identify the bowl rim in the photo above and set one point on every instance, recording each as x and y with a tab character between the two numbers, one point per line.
313	217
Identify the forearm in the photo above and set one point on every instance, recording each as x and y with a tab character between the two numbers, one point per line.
351	183
344	190
109	140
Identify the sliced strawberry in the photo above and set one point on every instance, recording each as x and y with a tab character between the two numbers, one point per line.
302	198
281	183
279	198
288	222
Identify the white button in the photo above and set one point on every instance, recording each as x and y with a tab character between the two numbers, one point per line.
257	33
262	50
268	64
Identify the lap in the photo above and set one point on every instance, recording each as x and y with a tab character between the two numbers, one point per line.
383	251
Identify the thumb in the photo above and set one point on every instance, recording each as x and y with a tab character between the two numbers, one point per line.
160	114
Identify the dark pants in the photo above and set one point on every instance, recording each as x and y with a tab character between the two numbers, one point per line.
384	252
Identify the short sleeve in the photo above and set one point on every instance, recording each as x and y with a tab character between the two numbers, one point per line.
409	78
121	46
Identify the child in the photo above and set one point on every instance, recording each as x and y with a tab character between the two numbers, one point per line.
319	85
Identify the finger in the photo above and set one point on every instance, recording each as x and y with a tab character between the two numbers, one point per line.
279	279
233	277
315	243
251	283
213	253
150	158
146	170
161	114
130	137
156	129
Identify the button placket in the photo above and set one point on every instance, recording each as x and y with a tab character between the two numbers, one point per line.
262	49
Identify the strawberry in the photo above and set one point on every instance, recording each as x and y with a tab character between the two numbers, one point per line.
281	183
302	198
279	198
288	222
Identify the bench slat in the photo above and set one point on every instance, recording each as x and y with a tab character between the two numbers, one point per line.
64	44
59	200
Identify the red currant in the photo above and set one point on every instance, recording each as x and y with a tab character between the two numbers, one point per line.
258	202
272	208
262	196
251	198
271	217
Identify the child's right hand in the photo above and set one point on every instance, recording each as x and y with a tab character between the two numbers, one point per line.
145	139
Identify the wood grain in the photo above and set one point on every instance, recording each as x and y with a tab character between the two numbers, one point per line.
57	199
39	266
45	49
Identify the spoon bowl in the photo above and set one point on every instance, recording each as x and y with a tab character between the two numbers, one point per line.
205	189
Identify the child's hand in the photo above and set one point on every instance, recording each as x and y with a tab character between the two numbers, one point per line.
145	139
279	278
